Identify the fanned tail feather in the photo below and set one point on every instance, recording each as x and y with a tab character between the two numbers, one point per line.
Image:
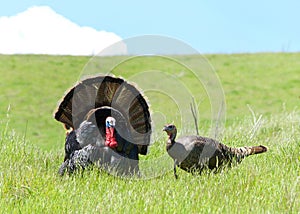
111	93
248	150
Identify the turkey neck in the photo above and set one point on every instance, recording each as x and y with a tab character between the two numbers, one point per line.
171	140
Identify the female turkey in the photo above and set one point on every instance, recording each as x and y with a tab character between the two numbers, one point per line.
195	153
107	120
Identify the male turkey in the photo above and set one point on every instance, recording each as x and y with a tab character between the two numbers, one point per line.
195	153
108	122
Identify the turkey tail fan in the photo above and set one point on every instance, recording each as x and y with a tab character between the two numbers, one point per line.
109	95
248	150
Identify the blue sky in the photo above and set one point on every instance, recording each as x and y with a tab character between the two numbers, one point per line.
208	26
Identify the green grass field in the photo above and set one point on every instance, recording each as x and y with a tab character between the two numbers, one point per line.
32	141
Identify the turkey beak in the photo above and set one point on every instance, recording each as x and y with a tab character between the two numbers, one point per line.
165	128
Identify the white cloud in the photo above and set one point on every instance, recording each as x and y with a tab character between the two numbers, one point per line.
40	30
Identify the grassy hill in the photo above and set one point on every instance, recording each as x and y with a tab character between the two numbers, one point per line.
31	87
32	141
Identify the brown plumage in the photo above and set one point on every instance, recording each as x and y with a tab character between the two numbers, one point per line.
90	102
195	153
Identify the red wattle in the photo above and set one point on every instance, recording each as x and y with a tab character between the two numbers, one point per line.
113	141
107	136
110	140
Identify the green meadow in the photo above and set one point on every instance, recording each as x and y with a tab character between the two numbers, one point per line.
262	107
